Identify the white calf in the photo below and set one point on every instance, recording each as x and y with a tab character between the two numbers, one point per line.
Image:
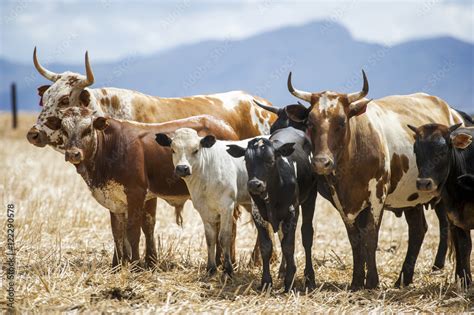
217	183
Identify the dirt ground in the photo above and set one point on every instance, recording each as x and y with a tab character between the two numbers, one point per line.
64	251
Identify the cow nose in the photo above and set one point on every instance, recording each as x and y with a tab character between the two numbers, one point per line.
322	164
182	170
425	184
36	137
256	186
74	156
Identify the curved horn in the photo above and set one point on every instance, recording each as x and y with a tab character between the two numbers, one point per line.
43	71
89	73
305	96
272	109
352	97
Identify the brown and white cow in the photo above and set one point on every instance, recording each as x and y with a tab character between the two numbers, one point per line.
71	90
364	150
126	170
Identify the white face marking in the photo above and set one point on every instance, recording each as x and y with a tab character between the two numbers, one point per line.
111	196
325	103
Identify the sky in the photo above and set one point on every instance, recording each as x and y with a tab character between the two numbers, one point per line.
111	30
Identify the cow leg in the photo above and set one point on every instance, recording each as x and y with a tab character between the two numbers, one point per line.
417	228
369	227
358	256
307	233
288	247
122	248
211	230
148	228
218	246
463	246
266	247
225	237
443	236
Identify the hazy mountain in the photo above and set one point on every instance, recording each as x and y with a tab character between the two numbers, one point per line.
322	56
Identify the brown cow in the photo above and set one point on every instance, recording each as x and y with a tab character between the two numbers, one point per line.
364	150
126	170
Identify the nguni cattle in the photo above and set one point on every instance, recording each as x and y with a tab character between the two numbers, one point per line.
280	180
126	171
364	150
445	160
217	184
72	90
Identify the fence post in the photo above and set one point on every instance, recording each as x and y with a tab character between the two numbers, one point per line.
14	108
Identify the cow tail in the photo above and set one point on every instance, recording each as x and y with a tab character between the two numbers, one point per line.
451	246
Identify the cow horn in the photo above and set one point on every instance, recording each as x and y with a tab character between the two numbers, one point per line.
272	109
358	95
305	96
43	71
89	73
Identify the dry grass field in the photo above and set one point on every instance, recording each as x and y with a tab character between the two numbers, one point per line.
64	252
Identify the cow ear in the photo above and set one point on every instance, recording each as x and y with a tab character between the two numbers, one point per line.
100	123
208	141
42	89
358	108
461	140
163	139
85	98
286	149
235	150
297	112
53	123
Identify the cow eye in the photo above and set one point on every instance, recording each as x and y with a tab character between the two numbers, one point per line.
86	132
195	151
172	151
64	101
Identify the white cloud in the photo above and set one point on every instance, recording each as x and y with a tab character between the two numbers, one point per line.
112	30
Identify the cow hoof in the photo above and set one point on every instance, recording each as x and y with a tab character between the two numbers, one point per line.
310	284
211	270
355	287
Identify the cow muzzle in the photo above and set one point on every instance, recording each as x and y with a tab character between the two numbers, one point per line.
37	137
426	184
75	156
182	170
256	186
323	165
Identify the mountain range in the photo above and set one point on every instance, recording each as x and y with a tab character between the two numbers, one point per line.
322	56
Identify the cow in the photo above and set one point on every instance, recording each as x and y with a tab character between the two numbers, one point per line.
126	171
445	160
282	120
216	182
72	90
363	148
280	180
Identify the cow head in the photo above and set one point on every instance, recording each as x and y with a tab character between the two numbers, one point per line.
187	149
282	121
261	158
79	126
67	90
327	121
433	148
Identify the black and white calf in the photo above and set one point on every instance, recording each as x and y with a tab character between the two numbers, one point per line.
445	159
280	180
